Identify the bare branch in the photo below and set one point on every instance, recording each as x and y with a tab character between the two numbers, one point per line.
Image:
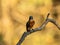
47	16
25	34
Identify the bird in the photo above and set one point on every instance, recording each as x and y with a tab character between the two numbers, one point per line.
30	23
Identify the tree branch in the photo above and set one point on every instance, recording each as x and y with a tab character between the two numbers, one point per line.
25	34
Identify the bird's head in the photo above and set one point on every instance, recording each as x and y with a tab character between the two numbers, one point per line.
30	17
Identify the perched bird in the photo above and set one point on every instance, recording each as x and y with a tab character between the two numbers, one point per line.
30	23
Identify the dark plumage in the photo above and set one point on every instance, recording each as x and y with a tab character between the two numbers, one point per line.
30	23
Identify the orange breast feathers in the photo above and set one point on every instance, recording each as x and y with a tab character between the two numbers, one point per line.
32	22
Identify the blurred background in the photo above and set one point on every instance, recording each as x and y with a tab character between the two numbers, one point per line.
15	13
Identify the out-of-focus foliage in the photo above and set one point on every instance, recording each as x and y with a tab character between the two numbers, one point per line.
55	14
56	2
14	15
2	42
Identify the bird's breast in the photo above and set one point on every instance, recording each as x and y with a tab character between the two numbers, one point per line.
32	23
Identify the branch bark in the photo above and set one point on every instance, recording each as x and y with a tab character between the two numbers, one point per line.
25	34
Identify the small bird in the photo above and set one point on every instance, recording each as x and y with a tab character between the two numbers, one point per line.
30	23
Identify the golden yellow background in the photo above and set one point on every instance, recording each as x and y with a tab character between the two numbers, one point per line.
15	13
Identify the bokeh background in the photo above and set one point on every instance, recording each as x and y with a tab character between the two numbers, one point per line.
15	13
